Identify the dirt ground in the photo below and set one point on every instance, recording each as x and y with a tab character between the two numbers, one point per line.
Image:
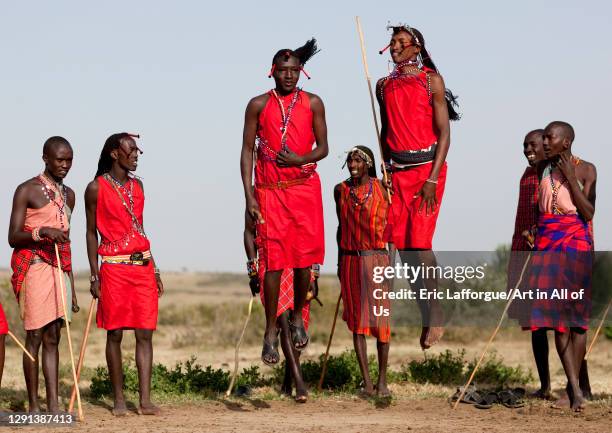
420	408
344	415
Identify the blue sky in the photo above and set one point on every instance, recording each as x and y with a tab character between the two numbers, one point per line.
180	74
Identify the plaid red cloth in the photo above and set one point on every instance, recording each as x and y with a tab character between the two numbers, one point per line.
562	260
45	249
527	209
285	294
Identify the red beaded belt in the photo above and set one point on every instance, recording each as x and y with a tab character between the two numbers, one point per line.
282	184
138	259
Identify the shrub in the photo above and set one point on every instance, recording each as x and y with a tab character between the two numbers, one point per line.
445	368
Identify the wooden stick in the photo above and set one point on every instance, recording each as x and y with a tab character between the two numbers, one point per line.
368	79
501	319
60	275
21	346
92	307
235	373
329	342
603	319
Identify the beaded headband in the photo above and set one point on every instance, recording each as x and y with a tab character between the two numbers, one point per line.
404	26
362	155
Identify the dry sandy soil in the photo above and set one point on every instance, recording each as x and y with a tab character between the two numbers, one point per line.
420	408
345	415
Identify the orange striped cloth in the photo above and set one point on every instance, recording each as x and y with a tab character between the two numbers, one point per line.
363	227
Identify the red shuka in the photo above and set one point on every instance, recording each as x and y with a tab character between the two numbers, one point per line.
292	234
362	227
410	127
128	293
3	323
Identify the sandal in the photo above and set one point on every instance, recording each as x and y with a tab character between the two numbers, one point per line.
299	336
511	399
471	396
487	400
269	352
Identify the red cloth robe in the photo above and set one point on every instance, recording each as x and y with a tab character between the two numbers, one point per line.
128	293
410	127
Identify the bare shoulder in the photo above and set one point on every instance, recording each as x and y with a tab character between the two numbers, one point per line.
258	102
589	170
315	100
139	181
70	196
381	82
92	188
27	186
436	80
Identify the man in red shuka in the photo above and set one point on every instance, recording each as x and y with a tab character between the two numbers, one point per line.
127	284
283	125
415	109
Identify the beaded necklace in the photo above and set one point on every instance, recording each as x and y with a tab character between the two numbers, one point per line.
128	191
355	198
136	226
412	71
59	197
264	149
555	190
286	117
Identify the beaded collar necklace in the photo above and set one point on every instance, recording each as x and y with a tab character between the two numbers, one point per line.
555	190
124	187
285	116
355	198
59	197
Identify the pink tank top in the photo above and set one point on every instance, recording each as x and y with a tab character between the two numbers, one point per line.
564	202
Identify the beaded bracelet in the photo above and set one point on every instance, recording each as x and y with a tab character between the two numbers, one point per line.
316	270
36	235
252	268
435	182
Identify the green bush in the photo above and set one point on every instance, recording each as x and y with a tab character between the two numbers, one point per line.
445	368
608	332
184	378
448	368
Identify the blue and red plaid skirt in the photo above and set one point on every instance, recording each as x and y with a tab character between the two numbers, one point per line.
561	265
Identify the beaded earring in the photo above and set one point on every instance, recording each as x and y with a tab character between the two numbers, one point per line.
272	69
304	71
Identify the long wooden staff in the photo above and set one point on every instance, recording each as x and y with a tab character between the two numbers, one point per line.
92	307
329	342
60	275
603	319
501	319
235	373
368	79
21	346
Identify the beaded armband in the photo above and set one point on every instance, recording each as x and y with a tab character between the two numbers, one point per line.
252	266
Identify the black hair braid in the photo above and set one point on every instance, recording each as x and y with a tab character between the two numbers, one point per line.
451	99
106	160
303	53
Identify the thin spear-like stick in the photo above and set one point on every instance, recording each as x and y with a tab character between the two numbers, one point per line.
21	346
603	319
501	319
92	307
60	275
368	79
235	373
329	342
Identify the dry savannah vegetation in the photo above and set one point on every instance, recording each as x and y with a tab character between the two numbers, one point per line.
201	315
